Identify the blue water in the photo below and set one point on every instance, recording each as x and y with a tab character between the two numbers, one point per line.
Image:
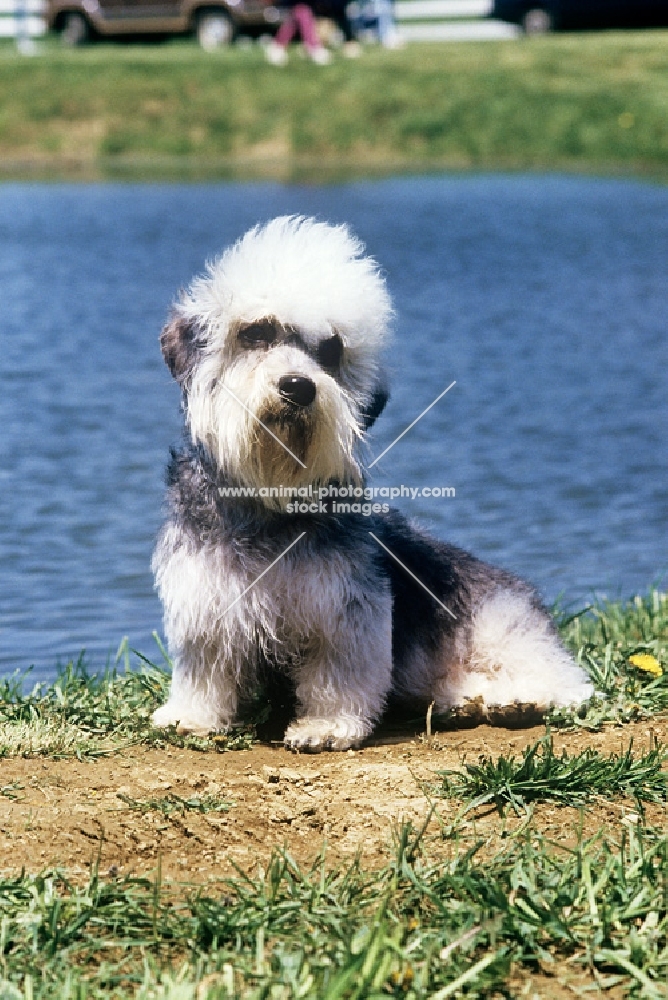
545	298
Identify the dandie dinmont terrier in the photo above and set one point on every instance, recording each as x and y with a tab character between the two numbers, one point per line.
276	349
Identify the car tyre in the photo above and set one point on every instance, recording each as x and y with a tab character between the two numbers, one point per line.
214	30
537	21
74	29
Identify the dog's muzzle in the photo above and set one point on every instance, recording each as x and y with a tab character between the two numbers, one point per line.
297	389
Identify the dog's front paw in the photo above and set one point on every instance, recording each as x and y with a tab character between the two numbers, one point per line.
314	735
166	716
186	722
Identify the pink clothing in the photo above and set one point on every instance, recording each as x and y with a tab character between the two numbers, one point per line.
300	16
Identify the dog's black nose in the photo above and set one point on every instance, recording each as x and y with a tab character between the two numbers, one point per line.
297	389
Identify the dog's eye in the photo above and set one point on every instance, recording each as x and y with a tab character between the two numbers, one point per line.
260	334
330	352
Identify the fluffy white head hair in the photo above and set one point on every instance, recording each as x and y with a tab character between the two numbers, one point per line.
305	273
313	282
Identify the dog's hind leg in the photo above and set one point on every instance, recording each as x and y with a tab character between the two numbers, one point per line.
341	690
514	658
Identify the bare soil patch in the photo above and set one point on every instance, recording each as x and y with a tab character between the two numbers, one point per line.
74	814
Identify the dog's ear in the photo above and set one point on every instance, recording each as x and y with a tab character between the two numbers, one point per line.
180	344
375	406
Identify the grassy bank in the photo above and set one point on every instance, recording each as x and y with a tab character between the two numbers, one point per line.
522	923
581	102
539	871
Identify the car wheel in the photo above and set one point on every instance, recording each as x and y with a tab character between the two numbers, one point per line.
537	21
74	29
214	30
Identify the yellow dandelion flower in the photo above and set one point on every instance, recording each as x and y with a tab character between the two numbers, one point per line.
648	663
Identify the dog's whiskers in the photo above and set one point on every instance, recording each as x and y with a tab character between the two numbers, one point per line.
263	425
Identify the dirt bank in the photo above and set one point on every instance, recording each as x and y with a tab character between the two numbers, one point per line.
128	810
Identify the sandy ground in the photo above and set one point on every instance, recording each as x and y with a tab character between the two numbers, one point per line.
68	812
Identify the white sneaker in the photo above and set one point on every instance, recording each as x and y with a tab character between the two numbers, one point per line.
276	54
393	41
321	56
352	50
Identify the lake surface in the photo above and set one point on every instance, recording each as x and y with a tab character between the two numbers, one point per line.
545	298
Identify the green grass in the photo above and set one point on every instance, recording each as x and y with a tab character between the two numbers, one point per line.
12	791
170	804
450	915
578	102
603	639
86	714
414	929
543	776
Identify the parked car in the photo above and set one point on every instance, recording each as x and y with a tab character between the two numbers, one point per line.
538	16
214	22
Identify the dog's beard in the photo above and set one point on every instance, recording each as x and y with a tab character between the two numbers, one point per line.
261	441
280	455
323	439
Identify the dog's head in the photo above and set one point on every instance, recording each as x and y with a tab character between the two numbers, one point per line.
276	348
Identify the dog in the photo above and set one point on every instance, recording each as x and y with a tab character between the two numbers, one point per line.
277	351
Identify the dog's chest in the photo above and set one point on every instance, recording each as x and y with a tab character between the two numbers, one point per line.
291	599
295	595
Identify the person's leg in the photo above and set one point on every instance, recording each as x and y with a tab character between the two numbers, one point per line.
277	50
387	28
339	15
309	32
286	32
306	21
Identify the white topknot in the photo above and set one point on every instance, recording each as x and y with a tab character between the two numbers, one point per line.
305	273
